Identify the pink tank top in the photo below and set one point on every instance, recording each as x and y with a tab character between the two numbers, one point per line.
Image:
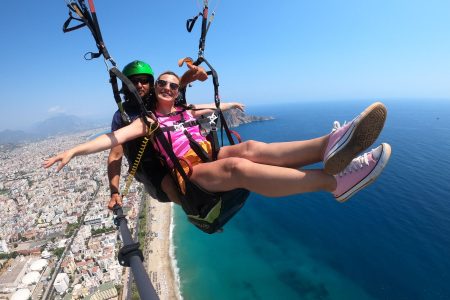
179	141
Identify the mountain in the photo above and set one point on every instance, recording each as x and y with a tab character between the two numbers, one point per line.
235	117
64	124
56	125
13	136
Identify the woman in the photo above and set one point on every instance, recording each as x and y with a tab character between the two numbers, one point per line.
268	169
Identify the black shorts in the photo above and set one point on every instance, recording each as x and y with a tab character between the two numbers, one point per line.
151	173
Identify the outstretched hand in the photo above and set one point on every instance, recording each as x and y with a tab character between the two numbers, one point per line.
238	105
63	158
199	73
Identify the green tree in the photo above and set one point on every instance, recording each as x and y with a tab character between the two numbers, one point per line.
58	252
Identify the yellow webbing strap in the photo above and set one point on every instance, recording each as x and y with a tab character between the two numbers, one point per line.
77	10
138	158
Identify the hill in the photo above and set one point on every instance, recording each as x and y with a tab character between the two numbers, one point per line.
65	124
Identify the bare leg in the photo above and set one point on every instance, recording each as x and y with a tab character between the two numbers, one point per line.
272	181
287	154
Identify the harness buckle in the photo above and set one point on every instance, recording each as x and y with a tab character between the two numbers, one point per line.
179	127
212	119
109	63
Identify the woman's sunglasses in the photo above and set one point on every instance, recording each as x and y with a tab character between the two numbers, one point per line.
163	83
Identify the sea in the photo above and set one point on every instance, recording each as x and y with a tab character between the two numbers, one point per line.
390	241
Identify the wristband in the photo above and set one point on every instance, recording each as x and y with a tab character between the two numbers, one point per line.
112	193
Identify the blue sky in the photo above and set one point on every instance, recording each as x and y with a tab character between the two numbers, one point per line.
265	51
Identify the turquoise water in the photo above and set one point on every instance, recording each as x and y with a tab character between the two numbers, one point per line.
390	241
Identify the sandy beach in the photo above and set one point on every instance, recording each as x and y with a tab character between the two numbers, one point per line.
158	261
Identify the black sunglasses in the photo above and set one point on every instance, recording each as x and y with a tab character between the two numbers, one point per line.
162	83
141	80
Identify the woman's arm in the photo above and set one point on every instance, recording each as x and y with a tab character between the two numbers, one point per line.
207	108
103	142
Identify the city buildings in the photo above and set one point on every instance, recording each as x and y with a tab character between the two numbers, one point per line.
57	225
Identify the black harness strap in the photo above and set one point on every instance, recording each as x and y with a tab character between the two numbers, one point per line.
215	78
214	143
115	87
66	27
114	73
201	153
191	22
165	144
89	19
95	28
223	124
201	122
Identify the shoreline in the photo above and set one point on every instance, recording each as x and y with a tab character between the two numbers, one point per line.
159	251
173	259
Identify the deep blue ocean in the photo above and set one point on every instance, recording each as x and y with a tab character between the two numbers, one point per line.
390	241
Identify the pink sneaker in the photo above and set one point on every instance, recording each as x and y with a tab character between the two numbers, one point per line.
352	138
361	172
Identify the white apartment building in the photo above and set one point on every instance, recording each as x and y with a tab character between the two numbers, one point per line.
61	283
3	247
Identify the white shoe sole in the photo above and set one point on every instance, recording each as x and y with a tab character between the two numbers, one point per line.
371	177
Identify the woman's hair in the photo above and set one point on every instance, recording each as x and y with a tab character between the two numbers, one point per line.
169	73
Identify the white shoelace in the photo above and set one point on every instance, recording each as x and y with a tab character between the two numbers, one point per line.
356	164
337	125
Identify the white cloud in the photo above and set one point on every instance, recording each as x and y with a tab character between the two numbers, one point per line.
56	109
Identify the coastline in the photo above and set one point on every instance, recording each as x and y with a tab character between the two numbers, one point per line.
160	261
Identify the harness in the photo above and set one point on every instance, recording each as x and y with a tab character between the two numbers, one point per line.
206	210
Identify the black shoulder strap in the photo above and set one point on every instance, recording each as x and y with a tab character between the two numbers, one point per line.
223	124
115	87
168	148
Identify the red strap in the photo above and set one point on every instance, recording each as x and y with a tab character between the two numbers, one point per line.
91	6
236	135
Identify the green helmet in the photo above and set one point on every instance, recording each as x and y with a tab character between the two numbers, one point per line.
137	67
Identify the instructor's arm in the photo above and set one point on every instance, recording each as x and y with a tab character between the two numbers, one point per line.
114	167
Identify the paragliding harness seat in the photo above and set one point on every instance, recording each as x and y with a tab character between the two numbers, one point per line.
206	210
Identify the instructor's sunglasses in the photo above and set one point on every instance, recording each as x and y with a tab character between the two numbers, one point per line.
162	83
141	80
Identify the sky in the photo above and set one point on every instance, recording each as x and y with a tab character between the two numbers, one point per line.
270	51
